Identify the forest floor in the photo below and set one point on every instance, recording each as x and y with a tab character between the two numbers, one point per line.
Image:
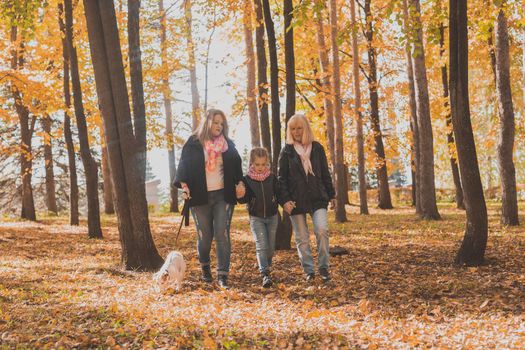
397	288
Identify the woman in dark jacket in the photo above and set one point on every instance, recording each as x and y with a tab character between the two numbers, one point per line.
210	174
306	188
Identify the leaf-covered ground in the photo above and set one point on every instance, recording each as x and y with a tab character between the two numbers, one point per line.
397	288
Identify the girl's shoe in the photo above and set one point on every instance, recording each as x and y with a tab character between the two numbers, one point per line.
267	281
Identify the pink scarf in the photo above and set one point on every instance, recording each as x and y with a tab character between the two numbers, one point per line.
258	176
214	148
304	153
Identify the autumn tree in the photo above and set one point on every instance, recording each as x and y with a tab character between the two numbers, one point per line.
138	249
474	243
51	201
192	65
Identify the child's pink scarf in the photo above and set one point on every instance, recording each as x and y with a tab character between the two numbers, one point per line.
258	176
214	148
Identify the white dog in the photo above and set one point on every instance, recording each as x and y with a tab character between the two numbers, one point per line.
172	272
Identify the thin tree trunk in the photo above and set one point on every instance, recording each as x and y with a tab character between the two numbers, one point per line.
289	59
51	201
385	201
509	212
109	207
326	87
274	84
262	79
137	90
138	249
340	175
166	95
26	133
90	167
427	194
413	112
251	96
363	203
192	66
73	182
448	118
472	248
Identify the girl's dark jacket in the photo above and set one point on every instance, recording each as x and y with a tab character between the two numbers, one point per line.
191	170
261	196
308	192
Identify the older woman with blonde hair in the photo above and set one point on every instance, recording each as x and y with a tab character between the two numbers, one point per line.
210	174
306	188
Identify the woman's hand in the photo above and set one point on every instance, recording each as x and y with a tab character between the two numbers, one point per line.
333	203
185	191
288	207
240	190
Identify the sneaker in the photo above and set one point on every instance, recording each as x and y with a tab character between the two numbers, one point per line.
267	281
310	277
325	275
223	282
206	274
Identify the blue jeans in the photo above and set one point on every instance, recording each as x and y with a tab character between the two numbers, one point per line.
213	220
264	234
302	239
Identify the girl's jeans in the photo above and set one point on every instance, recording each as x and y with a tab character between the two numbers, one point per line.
302	239
264	234
213	220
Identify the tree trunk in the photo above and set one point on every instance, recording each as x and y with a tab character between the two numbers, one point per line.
509	210
73	182
109	207
385	201
274	84
262	79
137	90
340	175
413	112
192	66
363	202
90	167
448	117
289	59
51	201
326	87
251	96
472	249
427	194
26	133
138	249
166	94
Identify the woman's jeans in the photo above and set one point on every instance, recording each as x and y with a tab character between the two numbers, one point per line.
263	230
302	240
213	220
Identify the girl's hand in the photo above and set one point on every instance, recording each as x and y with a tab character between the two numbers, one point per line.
288	207
240	190
332	203
185	191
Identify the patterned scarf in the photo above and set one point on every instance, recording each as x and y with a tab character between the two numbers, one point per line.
304	153
259	176
214	148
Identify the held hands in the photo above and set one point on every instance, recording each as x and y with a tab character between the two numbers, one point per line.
288	207
185	191
332	203
240	190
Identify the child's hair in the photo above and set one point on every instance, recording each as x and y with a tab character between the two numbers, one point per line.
259	152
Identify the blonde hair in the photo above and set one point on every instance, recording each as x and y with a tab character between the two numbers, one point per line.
308	136
259	152
203	130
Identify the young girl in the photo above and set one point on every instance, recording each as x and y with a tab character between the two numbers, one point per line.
261	197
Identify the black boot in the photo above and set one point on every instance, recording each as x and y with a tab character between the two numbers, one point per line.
206	274
267	281
223	281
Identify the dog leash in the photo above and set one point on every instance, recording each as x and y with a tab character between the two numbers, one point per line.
185	219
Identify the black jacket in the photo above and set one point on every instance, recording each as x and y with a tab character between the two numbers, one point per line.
308	192
191	170
261	196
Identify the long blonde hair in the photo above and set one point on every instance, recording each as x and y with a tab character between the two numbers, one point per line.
308	136
203	130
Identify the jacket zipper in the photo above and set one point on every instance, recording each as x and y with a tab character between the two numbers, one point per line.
264	199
